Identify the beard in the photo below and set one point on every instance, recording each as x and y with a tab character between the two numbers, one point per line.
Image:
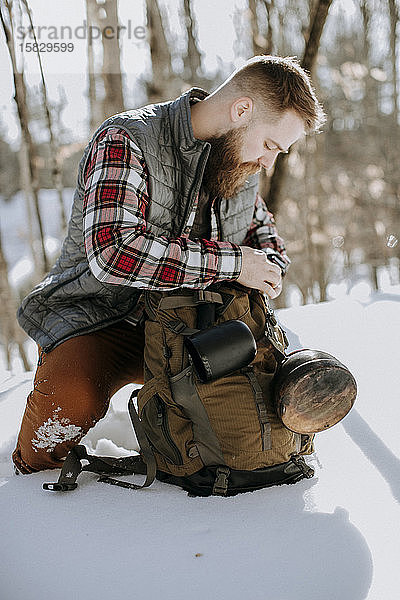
225	173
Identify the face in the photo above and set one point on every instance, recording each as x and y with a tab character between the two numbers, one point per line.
243	150
263	141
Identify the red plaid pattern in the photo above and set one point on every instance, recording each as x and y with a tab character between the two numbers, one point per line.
263	234
119	247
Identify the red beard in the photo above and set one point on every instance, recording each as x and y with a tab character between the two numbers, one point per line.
224	173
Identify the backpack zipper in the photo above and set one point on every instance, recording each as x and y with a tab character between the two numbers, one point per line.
162	421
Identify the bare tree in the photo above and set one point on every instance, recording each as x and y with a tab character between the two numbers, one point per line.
111	72
30	174
394	177
309	57
192	74
256	38
262	44
95	112
162	74
192	60
56	173
394	20
10	332
104	14
261	39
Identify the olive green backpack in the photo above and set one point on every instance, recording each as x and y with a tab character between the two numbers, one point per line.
221	436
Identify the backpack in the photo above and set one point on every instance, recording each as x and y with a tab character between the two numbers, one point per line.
217	436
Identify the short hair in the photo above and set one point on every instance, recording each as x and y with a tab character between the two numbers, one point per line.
277	84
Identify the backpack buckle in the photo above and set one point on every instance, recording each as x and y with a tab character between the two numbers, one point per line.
306	470
220	487
200	296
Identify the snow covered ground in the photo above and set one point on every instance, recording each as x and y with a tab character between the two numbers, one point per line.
334	537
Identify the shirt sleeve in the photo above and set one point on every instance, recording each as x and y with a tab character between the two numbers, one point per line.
120	248
263	235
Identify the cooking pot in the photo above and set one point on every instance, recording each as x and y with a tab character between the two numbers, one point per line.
313	391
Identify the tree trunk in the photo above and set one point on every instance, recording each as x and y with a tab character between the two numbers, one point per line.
394	178
261	40
32	182
375	283
26	186
95	112
256	37
371	96
56	173
269	7
111	72
261	45
394	20
192	60
10	331
160	85
309	58
311	50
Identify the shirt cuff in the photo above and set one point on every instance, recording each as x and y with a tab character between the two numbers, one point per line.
229	261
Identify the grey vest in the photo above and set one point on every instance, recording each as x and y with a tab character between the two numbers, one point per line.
70	301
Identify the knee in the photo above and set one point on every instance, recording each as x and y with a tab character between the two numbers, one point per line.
26	460
56	418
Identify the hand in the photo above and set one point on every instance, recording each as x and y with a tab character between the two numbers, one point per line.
259	273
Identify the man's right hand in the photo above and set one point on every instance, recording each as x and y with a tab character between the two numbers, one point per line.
259	273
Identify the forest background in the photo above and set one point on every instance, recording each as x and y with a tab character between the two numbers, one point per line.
335	197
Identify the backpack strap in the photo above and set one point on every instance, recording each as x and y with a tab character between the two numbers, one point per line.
206	315
145	449
261	408
179	328
105	466
198	297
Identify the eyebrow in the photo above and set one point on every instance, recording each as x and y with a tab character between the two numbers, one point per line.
279	148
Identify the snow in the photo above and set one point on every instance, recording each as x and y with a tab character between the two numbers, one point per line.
334	537
53	431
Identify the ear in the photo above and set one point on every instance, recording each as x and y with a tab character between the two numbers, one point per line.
242	110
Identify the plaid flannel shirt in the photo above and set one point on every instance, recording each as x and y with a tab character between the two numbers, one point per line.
120	249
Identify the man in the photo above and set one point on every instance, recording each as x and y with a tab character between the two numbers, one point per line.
166	197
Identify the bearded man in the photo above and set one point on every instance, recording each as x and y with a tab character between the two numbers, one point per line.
166	198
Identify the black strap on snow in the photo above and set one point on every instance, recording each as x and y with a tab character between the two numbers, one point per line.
101	465
105	466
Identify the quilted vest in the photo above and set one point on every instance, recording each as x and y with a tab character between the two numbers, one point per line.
70	301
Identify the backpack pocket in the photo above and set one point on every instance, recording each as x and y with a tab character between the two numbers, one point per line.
168	430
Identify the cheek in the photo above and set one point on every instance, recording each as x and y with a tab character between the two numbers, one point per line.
252	151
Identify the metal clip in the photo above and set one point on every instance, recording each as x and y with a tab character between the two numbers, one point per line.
220	487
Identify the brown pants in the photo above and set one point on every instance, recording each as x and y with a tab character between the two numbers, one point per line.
72	390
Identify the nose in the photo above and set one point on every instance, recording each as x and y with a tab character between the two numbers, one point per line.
269	158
